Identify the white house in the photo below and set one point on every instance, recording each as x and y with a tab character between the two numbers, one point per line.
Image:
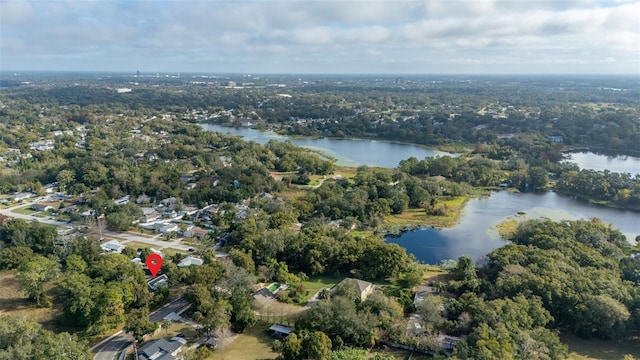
112	246
190	261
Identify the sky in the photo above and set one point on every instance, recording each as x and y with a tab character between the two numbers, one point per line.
327	36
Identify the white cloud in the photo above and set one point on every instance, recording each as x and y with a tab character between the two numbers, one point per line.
265	35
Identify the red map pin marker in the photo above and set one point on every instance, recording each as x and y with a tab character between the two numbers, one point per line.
154	263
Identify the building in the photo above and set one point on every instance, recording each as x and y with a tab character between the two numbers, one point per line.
21	196
280	331
112	246
190	261
196	231
123	200
363	288
160	349
41	207
158	281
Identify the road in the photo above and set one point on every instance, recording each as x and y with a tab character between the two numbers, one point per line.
120	340
123	238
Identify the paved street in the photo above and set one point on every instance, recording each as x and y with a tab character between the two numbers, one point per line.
112	347
123	238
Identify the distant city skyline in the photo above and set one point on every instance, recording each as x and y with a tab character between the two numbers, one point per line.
329	37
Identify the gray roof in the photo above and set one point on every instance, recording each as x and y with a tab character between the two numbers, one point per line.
160	349
361	285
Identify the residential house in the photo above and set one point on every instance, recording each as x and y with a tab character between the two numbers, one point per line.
41	207
195	231
363	288
149	215
160	349
112	246
21	196
190	261
167	228
170	203
158	281
123	200
187	178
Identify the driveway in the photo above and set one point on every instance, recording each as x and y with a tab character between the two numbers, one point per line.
118	341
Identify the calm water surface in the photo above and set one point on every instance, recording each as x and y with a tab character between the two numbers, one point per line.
477	234
348	152
601	162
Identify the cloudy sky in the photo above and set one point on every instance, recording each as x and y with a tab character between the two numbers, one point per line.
327	36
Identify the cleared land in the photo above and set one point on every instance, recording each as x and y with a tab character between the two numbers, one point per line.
254	343
14	302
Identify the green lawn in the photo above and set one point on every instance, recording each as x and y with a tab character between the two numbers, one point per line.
588	349
25	210
317	283
254	343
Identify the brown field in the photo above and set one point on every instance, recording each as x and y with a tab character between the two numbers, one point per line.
13	302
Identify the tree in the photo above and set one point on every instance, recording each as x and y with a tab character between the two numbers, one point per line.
138	323
291	347
65	178
24	339
34	274
11	257
318	346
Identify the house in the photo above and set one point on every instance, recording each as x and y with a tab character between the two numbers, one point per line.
171	203
448	342
556	138
112	246
190	261
123	200
158	281
21	196
196	231
69	209
167	228
160	349
280	331
149	215
363	288
187	178
41	207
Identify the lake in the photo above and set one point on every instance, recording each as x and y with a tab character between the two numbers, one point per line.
601	162
347	152
476	234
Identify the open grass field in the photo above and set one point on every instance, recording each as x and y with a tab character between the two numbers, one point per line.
253	344
25	210
14	302
345	171
591	349
417	217
317	283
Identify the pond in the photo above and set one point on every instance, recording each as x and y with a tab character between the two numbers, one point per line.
347	152
476	234
597	161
